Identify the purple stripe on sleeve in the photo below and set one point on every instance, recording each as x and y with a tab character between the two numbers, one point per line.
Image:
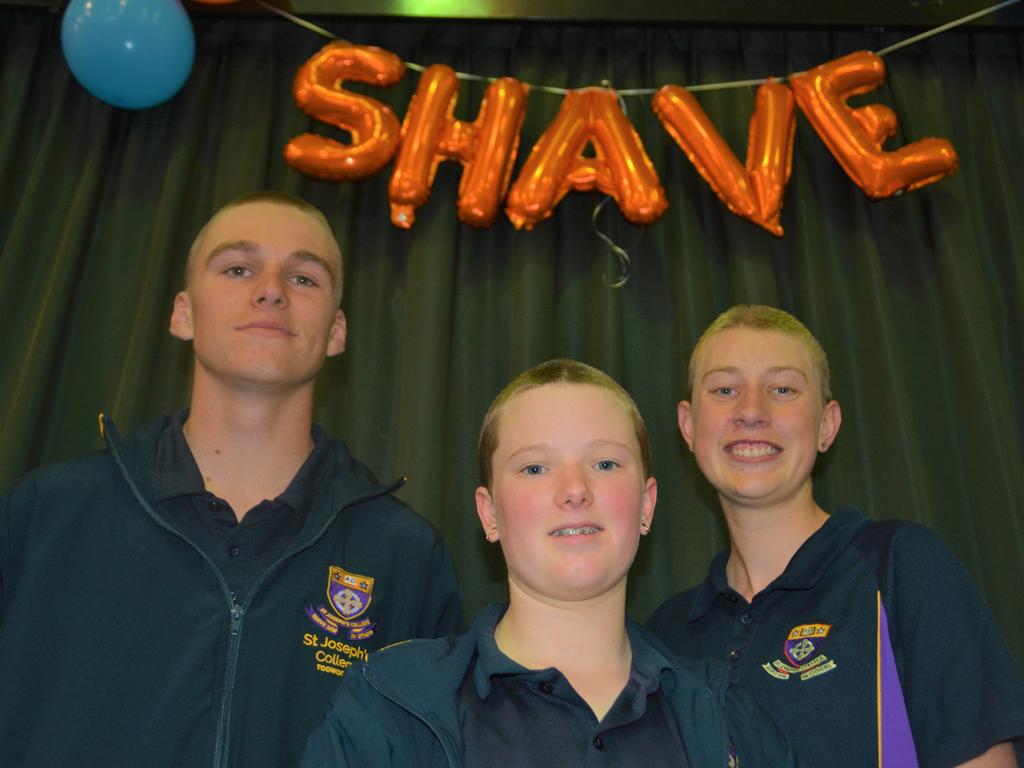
896	742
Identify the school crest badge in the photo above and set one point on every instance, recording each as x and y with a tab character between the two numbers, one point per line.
348	597
350	594
802	651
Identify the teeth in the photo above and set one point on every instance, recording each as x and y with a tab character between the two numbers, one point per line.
754	451
576	531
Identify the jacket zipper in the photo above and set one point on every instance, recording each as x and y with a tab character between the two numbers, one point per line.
237	612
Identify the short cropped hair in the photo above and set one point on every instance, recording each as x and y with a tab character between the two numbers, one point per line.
764	318
276	197
561	371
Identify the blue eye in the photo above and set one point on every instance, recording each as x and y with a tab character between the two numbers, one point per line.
305	280
606	465
532	469
723	391
237	271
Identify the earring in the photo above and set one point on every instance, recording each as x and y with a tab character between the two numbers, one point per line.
645	528
492	534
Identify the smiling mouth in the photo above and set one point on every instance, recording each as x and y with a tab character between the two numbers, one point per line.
583	530
750	450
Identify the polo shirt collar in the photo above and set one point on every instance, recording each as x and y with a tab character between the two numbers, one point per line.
177	474
804	570
653	667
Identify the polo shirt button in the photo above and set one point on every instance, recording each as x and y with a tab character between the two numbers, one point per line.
546	687
598	743
233	550
734	655
745	618
214	506
732	598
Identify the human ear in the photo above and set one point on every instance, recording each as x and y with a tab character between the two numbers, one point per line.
338	334
181	317
485	511
650	498
684	414
831	418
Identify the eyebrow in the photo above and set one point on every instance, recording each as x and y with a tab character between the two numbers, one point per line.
592	444
248	246
773	369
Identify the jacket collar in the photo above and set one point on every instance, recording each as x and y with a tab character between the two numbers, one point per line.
346	480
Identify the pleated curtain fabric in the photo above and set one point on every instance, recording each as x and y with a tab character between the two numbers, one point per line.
918	299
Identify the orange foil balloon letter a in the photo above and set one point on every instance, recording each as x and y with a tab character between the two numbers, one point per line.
620	167
754	192
855	135
373	126
486	148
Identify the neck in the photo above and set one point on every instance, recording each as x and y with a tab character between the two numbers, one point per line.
248	445
763	540
586	641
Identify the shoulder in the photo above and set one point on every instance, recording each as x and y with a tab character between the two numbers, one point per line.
64	480
905	548
676	609
368	502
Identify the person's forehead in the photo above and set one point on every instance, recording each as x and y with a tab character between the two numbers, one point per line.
734	347
277	223
542	409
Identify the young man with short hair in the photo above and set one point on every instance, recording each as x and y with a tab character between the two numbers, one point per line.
192	595
865	640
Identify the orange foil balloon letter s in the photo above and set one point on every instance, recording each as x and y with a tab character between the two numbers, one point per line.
373	126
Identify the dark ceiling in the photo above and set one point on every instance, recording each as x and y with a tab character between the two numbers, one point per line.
785	13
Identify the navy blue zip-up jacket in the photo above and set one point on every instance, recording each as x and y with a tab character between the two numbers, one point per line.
120	644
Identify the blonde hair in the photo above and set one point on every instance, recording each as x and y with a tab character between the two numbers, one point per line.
561	371
764	318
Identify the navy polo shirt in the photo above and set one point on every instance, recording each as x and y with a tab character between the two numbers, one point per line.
512	716
240	550
873	646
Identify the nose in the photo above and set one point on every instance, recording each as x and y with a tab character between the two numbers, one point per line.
573	488
751	409
270	290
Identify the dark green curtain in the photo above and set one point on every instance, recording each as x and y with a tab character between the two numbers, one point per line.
919	299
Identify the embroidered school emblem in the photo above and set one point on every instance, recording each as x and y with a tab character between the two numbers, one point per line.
349	593
802	651
348	597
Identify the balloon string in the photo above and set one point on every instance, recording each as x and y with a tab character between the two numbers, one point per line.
297	20
944	27
649	91
620	253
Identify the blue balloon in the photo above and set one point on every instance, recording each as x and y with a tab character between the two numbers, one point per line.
129	53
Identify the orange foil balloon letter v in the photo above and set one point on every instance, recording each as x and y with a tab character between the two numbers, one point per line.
754	192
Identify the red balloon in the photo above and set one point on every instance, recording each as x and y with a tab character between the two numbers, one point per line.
855	136
373	126
621	167
486	148
754	192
